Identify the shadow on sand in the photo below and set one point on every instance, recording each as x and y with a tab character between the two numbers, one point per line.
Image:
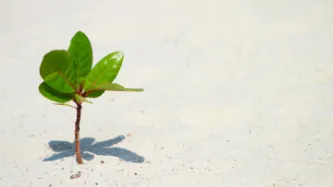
89	148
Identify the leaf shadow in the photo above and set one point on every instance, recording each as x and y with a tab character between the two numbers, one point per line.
90	148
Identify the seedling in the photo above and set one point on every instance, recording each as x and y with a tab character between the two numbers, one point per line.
68	76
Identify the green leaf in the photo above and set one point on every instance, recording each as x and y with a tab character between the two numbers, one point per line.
105	71
53	95
81	52
95	94
116	87
81	99
56	71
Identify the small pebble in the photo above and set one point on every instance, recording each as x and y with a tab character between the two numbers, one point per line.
75	176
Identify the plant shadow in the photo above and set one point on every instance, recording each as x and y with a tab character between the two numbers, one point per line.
90	148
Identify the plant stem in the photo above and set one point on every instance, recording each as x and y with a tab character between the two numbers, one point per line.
77	134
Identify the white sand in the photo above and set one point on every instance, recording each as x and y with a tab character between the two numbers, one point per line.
238	93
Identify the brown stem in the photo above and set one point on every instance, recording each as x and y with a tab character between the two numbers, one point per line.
77	134
86	93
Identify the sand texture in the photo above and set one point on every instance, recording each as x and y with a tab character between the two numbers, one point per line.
238	93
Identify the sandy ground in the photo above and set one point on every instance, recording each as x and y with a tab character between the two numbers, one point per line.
238	93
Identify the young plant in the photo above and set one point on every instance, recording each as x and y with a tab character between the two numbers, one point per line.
68	76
